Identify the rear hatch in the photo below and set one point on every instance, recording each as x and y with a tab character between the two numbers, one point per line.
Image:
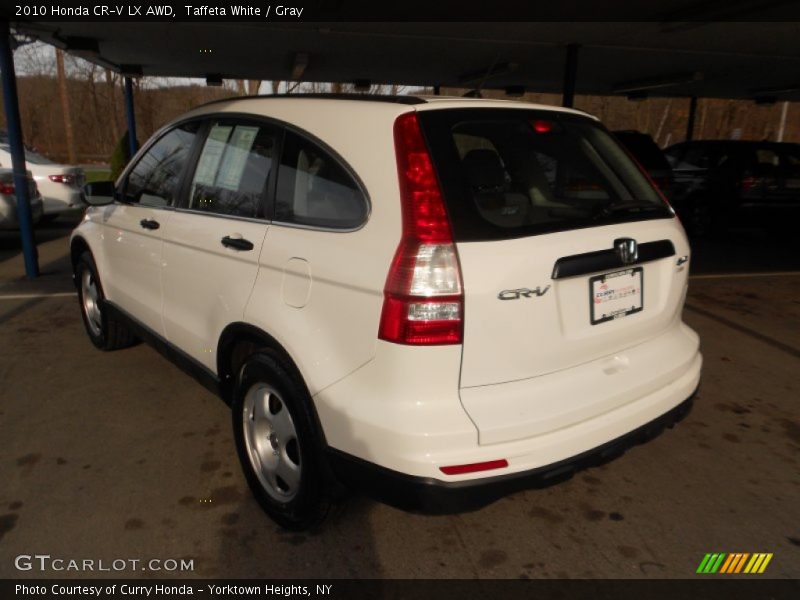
567	253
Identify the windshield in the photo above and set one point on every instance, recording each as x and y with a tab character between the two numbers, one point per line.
513	173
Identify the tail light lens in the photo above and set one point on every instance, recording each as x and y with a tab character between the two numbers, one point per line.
423	299
6	188
67	178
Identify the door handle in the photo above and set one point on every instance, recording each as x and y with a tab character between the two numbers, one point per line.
149	224
237	243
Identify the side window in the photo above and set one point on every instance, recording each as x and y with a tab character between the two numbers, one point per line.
233	169
156	178
314	189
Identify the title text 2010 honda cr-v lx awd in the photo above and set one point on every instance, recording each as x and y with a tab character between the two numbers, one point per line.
438	301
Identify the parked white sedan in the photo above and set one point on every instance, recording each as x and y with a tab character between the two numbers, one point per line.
60	185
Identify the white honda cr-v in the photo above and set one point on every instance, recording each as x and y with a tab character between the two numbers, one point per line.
434	300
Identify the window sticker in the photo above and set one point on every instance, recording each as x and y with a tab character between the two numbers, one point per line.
212	153
234	159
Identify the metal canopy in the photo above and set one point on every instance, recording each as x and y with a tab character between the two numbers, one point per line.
725	60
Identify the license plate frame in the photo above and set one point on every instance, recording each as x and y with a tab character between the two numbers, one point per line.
618	310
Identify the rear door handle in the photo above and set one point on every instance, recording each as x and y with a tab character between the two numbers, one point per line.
237	243
149	224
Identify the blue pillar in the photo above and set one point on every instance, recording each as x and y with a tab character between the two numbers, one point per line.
133	146
570	76
17	153
690	122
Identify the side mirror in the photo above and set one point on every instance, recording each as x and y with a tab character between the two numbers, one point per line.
99	193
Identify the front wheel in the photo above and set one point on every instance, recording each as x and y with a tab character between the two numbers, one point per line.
105	332
278	443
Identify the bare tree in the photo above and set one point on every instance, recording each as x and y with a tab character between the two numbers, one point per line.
64	94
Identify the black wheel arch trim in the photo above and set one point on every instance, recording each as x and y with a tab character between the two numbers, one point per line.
77	246
239	331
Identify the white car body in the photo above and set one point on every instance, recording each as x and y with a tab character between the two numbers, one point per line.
59	185
532	383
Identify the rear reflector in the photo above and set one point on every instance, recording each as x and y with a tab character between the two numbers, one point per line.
423	300
474	467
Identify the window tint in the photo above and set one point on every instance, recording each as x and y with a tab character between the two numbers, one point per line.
233	169
511	173
156	178
314	189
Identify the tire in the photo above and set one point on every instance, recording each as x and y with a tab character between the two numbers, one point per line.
105	332
279	444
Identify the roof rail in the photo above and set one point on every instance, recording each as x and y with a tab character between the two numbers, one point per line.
329	96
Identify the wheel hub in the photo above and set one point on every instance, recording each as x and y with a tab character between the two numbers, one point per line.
271	443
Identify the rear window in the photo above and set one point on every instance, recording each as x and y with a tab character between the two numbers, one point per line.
514	173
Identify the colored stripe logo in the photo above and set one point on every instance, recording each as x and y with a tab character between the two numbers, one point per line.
736	562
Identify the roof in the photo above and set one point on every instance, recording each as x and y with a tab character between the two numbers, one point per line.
420	102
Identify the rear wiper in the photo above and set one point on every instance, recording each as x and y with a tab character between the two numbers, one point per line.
628	206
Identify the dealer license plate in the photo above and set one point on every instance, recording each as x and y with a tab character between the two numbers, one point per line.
616	295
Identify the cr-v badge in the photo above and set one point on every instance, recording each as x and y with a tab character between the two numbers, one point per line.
522	293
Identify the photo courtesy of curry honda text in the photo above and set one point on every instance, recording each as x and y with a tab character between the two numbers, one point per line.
436	301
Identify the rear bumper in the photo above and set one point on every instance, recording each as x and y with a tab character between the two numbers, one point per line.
429	495
403	410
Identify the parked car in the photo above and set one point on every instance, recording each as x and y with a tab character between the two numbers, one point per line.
8	200
650	157
61	186
719	183
436	301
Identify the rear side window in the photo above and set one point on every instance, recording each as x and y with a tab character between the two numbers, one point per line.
233	169
156	178
314	189
513	173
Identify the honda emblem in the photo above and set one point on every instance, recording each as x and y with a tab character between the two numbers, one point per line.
627	250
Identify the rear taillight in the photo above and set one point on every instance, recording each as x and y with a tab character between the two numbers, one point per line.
67	178
423	299
6	188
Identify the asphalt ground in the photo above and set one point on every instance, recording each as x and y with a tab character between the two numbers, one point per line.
123	456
